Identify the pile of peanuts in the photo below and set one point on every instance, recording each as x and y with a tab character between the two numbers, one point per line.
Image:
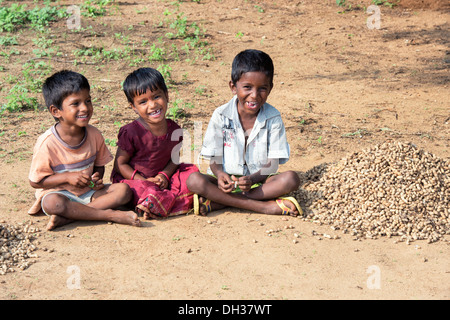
17	250
391	189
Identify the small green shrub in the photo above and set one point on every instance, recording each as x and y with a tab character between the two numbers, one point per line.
18	15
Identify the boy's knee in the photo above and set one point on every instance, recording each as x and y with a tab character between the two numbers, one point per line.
122	192
54	204
194	182
292	180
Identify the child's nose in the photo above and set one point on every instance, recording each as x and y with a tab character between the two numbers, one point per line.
84	106
152	104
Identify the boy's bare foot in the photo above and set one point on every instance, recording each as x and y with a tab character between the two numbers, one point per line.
57	221
126	217
121	217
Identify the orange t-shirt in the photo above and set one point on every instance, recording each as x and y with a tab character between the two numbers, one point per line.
52	155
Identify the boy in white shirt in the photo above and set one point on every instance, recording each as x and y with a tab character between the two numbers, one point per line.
244	142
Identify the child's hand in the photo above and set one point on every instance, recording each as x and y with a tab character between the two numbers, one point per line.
163	182
244	183
78	179
225	183
160	181
96	183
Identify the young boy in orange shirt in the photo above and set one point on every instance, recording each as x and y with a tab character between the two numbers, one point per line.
69	160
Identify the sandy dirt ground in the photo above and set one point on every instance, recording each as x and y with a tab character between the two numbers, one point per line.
340	86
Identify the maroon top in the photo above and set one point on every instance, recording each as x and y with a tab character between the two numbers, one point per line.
149	154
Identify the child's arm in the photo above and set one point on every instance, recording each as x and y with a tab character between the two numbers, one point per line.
224	181
100	170
127	172
245	182
78	179
121	165
97	177
228	184
162	179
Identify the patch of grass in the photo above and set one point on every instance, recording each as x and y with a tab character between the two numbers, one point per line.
18	15
178	109
343	4
260	9
178	39
157	53
22	95
95	8
390	3
358	133
165	70
8	54
19	99
111	142
8	41
191	33
101	54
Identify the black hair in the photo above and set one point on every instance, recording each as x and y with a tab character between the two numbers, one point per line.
62	84
251	61
142	79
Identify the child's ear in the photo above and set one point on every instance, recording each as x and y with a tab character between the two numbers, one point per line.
133	107
54	111
232	87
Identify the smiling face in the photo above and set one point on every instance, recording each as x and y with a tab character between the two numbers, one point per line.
252	90
76	110
151	106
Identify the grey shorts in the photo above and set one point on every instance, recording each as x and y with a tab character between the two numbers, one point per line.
83	199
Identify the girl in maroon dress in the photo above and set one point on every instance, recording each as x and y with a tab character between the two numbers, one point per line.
147	157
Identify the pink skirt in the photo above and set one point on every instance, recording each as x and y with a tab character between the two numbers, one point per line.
175	200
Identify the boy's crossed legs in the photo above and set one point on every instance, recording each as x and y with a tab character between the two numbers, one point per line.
62	210
259	199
